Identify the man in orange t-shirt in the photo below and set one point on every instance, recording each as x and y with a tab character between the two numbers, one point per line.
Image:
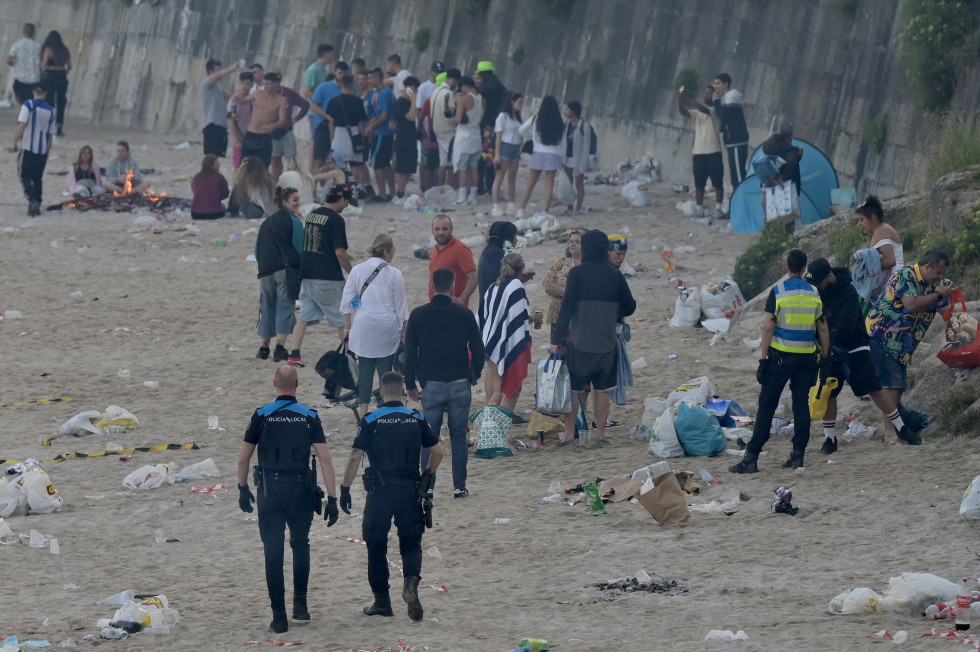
452	254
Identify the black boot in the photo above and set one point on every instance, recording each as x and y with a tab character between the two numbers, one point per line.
795	460
279	622
381	606
410	594
747	465
829	446
300	612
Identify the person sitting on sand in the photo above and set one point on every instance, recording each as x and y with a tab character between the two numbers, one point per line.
209	188
119	169
83	179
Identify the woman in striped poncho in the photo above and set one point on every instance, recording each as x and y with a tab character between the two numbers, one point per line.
506	333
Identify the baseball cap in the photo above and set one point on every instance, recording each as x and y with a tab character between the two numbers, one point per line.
484	66
275	73
40	87
618	242
438	66
817	271
343	191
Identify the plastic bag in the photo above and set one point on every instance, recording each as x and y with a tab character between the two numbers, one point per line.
199	471
564	192
553	389
698	431
855	601
687	310
13	499
721	301
970	506
698	389
42	498
117	416
663	438
636	194
919	590
81	424
492	423
149	476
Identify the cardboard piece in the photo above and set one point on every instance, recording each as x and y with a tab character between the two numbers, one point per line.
665	500
622	488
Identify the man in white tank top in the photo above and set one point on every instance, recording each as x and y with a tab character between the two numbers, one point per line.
468	145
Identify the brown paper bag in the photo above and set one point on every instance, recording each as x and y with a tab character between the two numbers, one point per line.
550	425
666	501
686	481
622	489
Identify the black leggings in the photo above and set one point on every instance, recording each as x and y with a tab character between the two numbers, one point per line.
57	83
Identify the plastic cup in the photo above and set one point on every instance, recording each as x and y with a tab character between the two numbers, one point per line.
585	438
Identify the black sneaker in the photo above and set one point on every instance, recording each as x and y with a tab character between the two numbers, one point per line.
280	354
829	446
460	493
909	437
279	622
745	466
263	353
795	461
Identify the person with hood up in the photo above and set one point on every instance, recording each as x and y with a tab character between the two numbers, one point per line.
596	298
502	234
851	352
781	144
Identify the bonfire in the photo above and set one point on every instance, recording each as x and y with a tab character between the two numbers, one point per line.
125	200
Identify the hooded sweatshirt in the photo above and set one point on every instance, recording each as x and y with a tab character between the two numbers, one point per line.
488	269
729	111
596	297
843	312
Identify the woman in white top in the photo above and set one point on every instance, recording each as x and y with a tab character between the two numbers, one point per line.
468	144
375	313
884	238
545	130
507	150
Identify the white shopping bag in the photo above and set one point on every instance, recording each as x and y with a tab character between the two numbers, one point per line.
553	392
782	203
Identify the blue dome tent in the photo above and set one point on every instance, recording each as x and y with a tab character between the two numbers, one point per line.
818	177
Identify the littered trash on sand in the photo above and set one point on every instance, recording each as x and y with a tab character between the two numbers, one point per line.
118	417
970	505
27	489
857	429
213	423
82	424
199	471
726	635
729	502
149	476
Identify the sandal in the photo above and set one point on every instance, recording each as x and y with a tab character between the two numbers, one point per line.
566	442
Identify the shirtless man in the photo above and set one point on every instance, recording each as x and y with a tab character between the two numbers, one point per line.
269	112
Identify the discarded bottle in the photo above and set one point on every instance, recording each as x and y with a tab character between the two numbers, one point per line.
534	644
116	600
553	498
113	633
707	477
220	242
541	437
963	602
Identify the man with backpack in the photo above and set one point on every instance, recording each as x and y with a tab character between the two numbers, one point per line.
580	142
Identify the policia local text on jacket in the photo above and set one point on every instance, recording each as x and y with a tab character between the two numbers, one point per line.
794	316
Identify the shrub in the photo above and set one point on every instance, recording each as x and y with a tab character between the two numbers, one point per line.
689	79
517	56
876	131
956	146
844	242
752	266
934	31
421	39
966	242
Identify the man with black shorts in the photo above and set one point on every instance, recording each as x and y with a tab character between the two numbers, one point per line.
851	357
596	298
322	266
270	111
707	161
322	96
213	98
381	99
406	137
345	114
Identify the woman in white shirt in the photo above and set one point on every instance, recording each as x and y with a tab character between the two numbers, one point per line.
507	150
546	130
884	238
375	313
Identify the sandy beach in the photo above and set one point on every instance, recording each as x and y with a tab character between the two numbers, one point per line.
176	309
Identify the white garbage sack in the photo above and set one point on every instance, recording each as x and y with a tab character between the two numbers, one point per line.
13	499
636	194
721	301
564	191
440	196
687	310
716	325
149	476
970	506
698	389
42	497
663	438
81	424
117	417
199	471
855	601
919	590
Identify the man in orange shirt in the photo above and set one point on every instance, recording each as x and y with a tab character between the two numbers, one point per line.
452	254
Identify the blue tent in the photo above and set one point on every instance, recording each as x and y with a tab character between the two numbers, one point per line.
818	177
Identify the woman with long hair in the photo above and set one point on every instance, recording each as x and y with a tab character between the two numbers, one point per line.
884	238
507	150
554	282
545	130
578	135
84	179
279	245
375	310
506	334
208	189
253	189
55	66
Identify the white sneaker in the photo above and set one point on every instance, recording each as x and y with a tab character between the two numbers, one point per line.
719	212
496	212
472	200
510	208
460	201
698	211
520	214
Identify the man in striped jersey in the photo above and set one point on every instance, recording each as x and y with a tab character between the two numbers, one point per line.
33	140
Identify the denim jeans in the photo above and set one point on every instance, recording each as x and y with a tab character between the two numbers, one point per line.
276	310
453	397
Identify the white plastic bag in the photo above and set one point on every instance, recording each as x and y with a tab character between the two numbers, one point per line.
663	439
13	499
919	590
726	635
149	476
687	310
117	416
81	424
970	506
42	498
716	325
564	192
6	534
199	471
636	194
698	389
722	304
855	601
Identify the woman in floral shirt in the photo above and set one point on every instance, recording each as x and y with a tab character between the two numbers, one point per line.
554	282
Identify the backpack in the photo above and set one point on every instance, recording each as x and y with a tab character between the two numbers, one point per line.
593	142
339	370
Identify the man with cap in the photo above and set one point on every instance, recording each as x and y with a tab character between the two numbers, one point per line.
850	351
322	266
270	111
443	125
35	125
427	87
489	86
213	98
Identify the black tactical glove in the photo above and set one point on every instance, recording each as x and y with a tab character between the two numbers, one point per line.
245	498
760	373
826	367
330	513
345	499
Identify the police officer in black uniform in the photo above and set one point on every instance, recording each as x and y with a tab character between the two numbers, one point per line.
284	431
393	437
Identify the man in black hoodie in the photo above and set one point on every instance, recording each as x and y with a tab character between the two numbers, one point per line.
727	103
596	298
851	357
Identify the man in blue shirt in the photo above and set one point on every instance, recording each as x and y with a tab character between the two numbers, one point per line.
321	121
33	140
381	100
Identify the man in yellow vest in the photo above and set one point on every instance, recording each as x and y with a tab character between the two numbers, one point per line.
794	320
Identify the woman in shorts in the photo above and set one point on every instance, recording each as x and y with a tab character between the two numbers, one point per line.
507	151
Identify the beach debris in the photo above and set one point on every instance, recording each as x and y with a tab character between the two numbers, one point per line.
726	635
857	429
199	471
970	505
149	476
782	503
